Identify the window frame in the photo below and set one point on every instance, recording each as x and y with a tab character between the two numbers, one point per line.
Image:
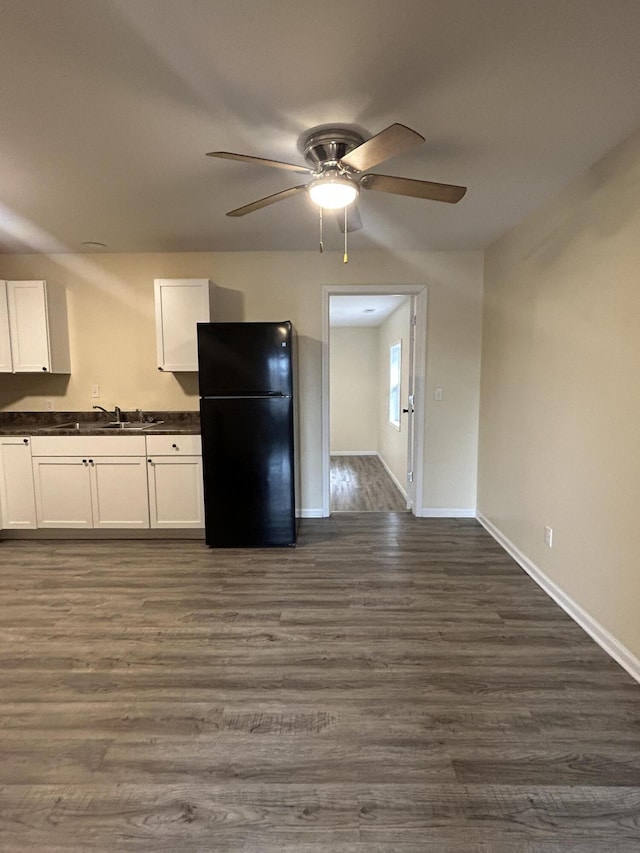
395	383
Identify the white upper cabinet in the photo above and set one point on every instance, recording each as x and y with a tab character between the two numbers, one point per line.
181	303
34	337
6	364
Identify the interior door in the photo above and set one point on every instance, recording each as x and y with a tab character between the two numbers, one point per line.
410	408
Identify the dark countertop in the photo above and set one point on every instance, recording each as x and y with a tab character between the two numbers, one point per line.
92	423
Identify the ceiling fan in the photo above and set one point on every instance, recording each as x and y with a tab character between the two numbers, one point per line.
339	161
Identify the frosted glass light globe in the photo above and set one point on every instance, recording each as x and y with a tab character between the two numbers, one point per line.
333	191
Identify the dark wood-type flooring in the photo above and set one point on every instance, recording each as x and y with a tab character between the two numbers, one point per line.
392	684
361	484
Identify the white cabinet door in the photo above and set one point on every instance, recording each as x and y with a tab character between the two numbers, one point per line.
101	491
63	491
29	327
175	491
6	365
17	498
181	303
119	492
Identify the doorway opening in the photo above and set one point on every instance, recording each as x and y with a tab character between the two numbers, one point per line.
373	374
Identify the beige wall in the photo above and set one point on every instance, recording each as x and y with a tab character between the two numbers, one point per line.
354	389
112	339
392	443
560	411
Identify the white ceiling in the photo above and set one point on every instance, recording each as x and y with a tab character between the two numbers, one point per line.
362	310
109	106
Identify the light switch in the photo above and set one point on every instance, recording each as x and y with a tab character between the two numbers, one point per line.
437	394
95	391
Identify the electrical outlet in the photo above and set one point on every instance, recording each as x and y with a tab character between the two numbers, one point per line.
95	391
548	537
49	405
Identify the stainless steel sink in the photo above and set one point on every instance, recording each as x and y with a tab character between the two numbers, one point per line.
124	425
77	427
130	425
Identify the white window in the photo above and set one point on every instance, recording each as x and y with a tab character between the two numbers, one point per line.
395	364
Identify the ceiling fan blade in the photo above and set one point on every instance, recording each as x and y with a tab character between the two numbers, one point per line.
411	187
391	141
267	200
247	158
354	221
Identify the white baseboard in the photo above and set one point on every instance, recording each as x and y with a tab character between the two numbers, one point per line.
309	513
354	453
452	512
613	647
397	483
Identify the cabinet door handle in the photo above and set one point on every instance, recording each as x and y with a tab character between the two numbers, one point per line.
175	446
26	440
84	461
149	461
44	368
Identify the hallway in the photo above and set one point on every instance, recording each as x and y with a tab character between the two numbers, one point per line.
361	484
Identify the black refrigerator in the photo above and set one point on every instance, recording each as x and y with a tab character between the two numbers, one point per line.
246	376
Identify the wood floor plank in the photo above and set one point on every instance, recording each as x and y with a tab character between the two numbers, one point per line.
362	484
392	684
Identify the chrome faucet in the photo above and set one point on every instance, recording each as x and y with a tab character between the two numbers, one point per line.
116	413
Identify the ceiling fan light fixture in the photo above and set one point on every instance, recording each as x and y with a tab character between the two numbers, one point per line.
333	191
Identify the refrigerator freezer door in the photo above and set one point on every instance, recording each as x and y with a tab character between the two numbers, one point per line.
247	448
244	359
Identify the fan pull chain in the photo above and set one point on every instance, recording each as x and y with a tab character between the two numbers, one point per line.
345	257
321	243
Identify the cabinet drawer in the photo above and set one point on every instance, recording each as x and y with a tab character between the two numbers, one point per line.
174	445
87	445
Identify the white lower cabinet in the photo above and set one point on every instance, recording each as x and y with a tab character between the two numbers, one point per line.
119	495
63	491
98	492
89	482
17	499
102	485
174	471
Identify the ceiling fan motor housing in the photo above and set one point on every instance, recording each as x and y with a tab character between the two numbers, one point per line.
326	147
